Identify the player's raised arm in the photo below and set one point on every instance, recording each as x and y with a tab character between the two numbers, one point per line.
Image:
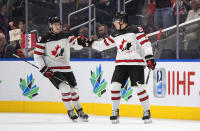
144	42
104	44
77	43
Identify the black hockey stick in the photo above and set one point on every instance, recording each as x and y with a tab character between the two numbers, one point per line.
38	68
154	52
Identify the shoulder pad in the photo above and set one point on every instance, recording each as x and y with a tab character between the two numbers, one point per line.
42	39
135	29
64	34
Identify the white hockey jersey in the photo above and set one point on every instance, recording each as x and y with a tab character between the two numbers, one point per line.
53	51
132	45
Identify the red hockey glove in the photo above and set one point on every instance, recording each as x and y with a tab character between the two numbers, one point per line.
151	63
47	72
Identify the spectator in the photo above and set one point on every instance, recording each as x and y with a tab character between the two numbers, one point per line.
32	27
163	17
105	9
192	32
21	26
14	47
11	24
103	31
66	28
134	10
18	9
83	31
195	12
2	43
4	21
182	10
150	17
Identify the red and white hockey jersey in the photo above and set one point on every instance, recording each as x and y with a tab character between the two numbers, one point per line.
132	45
53	51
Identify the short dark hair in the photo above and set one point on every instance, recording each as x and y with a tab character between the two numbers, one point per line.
105	26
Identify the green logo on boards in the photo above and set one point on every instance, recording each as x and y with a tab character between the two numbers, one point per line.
28	87
98	82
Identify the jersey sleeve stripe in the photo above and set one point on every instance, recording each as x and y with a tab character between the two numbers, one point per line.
140	36
106	43
111	40
40	47
38	53
72	39
141	43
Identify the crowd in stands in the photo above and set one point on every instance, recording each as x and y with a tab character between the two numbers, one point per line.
150	14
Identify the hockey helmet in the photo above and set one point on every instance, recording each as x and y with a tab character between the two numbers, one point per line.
53	20
121	16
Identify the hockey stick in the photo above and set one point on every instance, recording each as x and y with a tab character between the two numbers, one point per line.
154	52
38	68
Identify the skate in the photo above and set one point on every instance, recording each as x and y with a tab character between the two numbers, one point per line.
147	117
72	115
115	117
82	115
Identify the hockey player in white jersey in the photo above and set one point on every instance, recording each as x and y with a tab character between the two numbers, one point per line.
52	54
133	54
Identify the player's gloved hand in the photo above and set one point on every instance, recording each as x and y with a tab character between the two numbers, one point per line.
84	42
89	42
81	41
47	72
151	63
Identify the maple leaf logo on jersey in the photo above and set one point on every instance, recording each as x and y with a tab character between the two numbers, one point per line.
125	47
121	46
58	51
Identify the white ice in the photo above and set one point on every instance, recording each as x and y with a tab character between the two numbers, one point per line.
61	122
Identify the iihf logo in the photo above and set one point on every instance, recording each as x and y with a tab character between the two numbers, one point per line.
97	81
159	82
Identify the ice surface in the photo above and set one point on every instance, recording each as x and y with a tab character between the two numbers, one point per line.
61	122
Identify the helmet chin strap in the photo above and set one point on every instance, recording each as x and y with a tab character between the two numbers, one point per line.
120	27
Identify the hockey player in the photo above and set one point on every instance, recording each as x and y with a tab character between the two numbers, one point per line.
133	54
52	53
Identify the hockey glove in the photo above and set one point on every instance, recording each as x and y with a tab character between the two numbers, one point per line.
151	63
84	42
47	72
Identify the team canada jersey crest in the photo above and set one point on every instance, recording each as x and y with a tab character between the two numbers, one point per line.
125	46
58	52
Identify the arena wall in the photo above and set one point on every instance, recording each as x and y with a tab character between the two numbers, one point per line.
174	89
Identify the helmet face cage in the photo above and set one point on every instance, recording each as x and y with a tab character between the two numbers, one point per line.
53	20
